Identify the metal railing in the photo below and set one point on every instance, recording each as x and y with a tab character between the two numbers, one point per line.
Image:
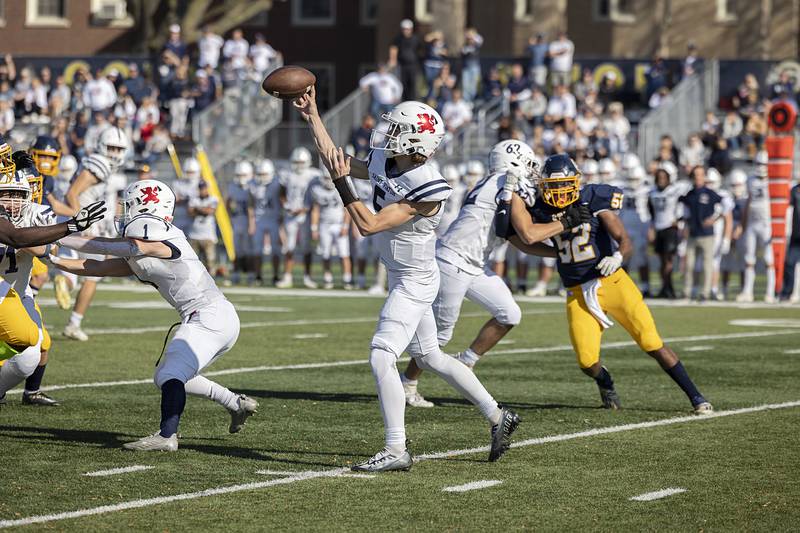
475	140
683	113
229	126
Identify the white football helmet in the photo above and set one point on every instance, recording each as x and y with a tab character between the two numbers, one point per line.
413	128
191	169
513	154
265	172
67	167
15	194
589	171
113	144
475	172
145	197
243	172
451	174
636	177
713	178
300	158
629	162
671	170
737	181
606	169
761	161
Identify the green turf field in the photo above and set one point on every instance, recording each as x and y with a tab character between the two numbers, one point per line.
304	359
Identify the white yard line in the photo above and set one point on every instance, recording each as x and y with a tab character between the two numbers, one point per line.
794	351
475	485
657	495
290	473
696	348
115	471
305	336
330	364
303	476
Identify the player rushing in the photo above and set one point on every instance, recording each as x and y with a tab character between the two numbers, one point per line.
462	256
589	261
158	254
408	206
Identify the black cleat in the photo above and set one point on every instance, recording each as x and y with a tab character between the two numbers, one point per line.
610	399
501	434
38	398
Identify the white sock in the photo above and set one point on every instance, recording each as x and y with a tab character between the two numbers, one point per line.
347	278
327	277
409	385
202	386
463	380
749	279
468	357
75	319
770	282
391	397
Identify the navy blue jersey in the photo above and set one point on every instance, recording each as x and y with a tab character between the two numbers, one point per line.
700	203
48	185
580	249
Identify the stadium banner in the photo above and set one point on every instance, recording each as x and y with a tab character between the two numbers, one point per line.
223	219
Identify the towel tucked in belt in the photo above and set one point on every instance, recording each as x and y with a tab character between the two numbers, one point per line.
589	290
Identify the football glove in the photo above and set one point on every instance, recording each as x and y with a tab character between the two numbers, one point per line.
512	179
23	160
87	216
609	264
576	215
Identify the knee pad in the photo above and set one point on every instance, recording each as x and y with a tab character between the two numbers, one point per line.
433	361
382	362
510	315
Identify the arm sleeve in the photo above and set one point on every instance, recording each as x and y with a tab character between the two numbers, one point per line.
502	220
117	248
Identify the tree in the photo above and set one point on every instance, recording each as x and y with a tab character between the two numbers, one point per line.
153	17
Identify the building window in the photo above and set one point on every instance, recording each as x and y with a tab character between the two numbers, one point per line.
46	13
2	13
313	12
369	12
523	10
423	10
111	13
614	10
726	11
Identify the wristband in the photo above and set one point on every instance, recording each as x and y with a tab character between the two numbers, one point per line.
344	191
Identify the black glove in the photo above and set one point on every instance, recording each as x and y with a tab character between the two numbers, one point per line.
575	215
23	160
87	216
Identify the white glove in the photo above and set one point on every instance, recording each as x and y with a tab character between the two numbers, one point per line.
509	186
609	264
726	247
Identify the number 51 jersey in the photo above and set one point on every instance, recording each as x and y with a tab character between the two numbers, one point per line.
582	248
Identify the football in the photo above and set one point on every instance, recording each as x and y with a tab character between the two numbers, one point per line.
288	82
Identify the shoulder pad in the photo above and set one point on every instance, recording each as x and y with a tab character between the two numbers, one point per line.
98	166
150	228
603	197
424	184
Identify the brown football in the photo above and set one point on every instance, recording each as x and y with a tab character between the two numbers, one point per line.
288	82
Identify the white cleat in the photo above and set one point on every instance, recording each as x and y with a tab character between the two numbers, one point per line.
71	331
309	283
703	409
384	461
769	299
745	298
284	283
539	290
376	290
329	285
247	408
154	443
413	398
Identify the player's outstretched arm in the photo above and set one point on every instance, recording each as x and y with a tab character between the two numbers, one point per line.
40	235
307	105
91	267
541	249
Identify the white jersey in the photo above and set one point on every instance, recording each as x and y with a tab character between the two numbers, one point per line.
758	194
634	206
363	190
451	208
185	190
266	200
182	280
409	248
664	205
471	238
296	184
15	267
331	208
203	227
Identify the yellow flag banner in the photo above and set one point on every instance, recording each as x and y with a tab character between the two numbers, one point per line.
223	220
176	164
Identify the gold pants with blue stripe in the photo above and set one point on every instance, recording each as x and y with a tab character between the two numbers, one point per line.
17	328
620	298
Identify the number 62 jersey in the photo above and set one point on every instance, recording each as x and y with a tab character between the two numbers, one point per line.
582	248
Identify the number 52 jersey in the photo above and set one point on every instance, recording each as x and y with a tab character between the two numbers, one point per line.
582	248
